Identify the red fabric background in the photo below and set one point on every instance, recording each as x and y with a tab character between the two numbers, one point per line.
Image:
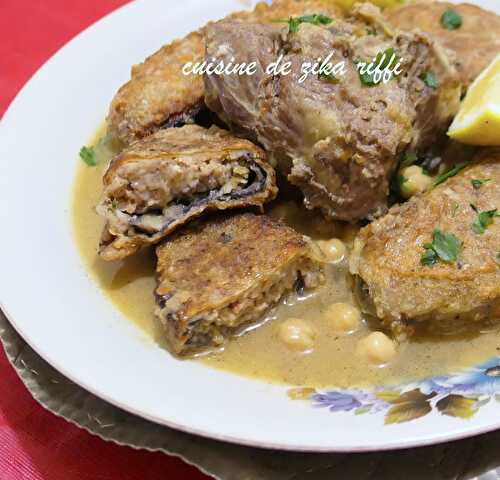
34	444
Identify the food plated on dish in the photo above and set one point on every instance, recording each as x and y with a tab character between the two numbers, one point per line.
377	250
421	268
323	238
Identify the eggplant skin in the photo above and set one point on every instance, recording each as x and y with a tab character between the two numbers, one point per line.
444	298
220	274
159	95
475	44
161	182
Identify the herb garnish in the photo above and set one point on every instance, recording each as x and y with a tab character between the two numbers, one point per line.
451	19
315	19
483	220
444	246
396	183
367	78
328	77
87	154
429	79
477	183
449	173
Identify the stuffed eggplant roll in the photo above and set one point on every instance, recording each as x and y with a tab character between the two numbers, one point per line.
161	182
217	277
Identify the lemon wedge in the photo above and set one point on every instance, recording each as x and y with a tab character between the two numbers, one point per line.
478	120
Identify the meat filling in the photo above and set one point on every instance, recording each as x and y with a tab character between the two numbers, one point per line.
151	198
212	328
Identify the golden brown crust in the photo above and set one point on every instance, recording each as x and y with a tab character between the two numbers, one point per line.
216	264
158	94
387	254
133	176
157	91
475	43
190	143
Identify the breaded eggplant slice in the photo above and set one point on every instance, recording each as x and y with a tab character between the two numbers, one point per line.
158	94
475	43
219	276
161	182
443	298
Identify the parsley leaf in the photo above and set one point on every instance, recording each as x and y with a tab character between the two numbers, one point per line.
451	19
483	220
329	77
429	79
444	246
449	173
87	154
315	19
430	257
397	182
477	184
367	78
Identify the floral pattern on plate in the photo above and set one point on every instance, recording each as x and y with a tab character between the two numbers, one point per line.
460	396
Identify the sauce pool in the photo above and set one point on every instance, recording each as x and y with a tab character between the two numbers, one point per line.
259	353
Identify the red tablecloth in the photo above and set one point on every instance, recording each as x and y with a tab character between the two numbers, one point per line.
34	444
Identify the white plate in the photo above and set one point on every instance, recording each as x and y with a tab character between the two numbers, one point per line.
51	301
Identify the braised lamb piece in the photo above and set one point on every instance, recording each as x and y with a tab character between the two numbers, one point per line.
338	138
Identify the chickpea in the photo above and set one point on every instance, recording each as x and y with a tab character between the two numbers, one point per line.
297	334
334	249
344	317
416	181
377	348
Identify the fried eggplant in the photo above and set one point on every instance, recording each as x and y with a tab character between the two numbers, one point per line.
433	263
161	182
475	42
221	275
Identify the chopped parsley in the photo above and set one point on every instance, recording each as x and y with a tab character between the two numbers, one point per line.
483	220
368	79
454	210
315	19
498	257
477	184
448	174
429	79
397	182
444	246
451	19
87	154
329	77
